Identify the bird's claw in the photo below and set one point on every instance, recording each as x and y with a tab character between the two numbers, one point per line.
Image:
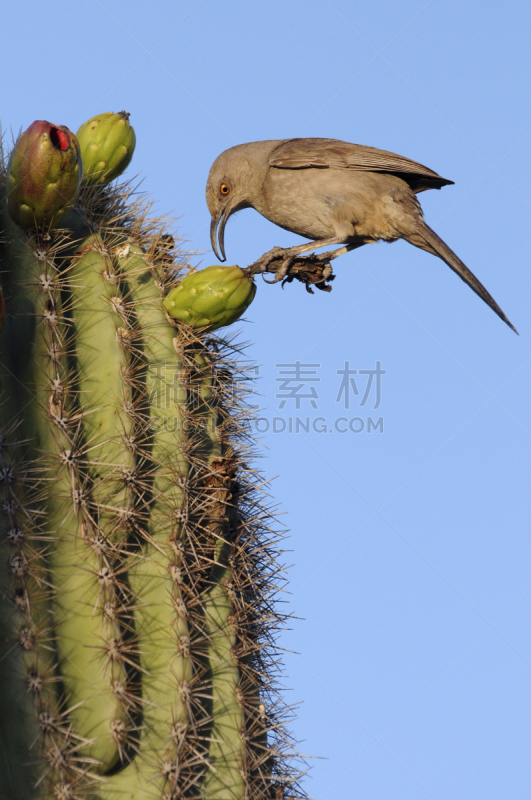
327	271
311	269
263	262
281	274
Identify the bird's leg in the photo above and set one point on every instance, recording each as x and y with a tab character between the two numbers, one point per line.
288	256
325	258
340	251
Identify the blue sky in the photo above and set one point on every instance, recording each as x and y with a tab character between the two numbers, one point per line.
410	547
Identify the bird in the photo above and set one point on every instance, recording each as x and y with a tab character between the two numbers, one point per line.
331	192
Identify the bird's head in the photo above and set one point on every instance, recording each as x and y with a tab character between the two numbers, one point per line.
235	181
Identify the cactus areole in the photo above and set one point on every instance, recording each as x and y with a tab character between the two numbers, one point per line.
211	298
107	144
44	174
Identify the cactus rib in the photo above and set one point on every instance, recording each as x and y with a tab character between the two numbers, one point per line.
140	630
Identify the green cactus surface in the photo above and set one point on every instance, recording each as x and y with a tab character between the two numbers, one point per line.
139	555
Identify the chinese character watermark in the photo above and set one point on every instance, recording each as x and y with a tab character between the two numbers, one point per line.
348	384
169	386
295	378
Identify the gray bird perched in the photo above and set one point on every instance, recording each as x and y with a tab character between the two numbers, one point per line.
331	192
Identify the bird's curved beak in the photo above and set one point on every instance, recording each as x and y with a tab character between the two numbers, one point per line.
221	220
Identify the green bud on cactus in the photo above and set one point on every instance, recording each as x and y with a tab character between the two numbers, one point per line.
209	299
107	144
44	175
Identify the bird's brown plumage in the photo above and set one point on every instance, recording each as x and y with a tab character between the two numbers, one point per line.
331	192
335	154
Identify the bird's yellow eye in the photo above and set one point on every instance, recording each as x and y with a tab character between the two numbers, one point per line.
224	189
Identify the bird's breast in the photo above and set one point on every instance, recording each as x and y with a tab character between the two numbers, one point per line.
303	202
349	204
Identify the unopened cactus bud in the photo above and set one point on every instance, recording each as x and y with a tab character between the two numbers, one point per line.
107	143
44	175
209	299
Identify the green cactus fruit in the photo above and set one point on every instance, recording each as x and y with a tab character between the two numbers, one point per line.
44	175
107	144
209	299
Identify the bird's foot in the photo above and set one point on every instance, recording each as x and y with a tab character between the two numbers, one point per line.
287	265
312	270
281	273
283	254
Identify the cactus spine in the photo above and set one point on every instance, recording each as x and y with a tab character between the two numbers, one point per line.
138	570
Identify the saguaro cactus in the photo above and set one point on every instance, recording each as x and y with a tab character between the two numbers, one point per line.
139	570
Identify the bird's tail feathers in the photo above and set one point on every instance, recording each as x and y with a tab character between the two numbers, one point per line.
428	240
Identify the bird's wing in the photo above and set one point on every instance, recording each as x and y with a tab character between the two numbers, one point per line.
333	153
